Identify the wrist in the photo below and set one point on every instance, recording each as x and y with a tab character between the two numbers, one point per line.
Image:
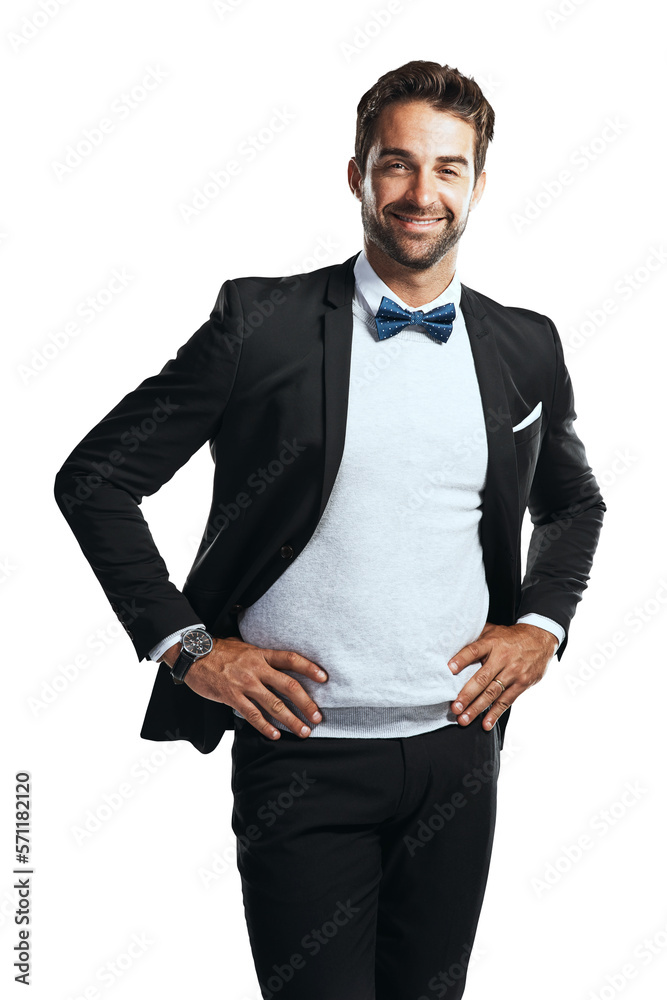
195	644
171	655
543	633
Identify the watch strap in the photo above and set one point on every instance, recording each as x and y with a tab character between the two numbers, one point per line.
184	661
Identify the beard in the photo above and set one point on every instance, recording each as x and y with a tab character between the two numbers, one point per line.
415	250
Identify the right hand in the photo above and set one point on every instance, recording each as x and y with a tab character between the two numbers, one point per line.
236	671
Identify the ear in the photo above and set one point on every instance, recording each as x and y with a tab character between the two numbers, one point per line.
478	190
354	178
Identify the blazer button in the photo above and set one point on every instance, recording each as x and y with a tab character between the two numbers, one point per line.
235	608
287	551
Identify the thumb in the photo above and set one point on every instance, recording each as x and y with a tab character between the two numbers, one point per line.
467	655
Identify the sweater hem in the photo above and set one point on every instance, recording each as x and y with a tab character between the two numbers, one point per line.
374	722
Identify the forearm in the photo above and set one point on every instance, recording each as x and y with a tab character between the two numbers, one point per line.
116	541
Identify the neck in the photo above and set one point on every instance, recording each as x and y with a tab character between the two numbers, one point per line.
414	287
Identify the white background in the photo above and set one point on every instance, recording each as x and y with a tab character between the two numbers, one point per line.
551	927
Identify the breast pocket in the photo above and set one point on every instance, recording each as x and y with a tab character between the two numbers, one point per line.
527	432
527	448
530	419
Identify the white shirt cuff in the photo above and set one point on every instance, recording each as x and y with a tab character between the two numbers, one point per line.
156	652
546	623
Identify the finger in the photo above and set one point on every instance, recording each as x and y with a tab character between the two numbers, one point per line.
479	681
499	706
289	659
276	707
293	691
471	653
492	698
252	714
263	698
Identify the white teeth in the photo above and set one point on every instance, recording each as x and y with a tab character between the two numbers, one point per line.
418	222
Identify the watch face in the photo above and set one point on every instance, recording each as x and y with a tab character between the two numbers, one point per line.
197	642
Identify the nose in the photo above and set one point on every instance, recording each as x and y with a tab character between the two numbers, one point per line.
422	189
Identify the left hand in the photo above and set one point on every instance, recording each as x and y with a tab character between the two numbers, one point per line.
515	655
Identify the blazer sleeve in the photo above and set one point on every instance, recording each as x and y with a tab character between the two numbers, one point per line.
131	453
566	509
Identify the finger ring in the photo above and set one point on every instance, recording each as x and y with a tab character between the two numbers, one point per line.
498	681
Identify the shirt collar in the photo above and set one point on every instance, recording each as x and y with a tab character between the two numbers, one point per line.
369	289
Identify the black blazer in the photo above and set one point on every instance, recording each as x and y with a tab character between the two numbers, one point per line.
265	382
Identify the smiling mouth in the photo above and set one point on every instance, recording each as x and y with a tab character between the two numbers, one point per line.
417	223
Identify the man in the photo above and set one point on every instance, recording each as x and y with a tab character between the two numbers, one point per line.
355	611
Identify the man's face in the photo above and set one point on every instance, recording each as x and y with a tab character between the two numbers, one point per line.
420	167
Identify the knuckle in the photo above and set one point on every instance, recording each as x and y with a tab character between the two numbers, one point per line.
276	706
293	685
250	682
255	718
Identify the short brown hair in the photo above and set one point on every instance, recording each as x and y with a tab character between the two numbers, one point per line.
442	87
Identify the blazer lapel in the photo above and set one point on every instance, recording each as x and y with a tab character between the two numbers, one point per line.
501	522
337	354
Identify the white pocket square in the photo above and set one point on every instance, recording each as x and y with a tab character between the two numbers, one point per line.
533	415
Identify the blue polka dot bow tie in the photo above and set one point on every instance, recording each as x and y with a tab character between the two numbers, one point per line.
391	318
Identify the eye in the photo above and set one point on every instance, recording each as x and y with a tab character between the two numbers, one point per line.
444	170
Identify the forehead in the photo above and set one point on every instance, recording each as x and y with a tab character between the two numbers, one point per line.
419	128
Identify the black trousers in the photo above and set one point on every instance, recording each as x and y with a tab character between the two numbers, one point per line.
363	862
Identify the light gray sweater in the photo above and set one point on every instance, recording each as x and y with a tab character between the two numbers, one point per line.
391	584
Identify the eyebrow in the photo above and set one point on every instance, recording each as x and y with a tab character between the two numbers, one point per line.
407	155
